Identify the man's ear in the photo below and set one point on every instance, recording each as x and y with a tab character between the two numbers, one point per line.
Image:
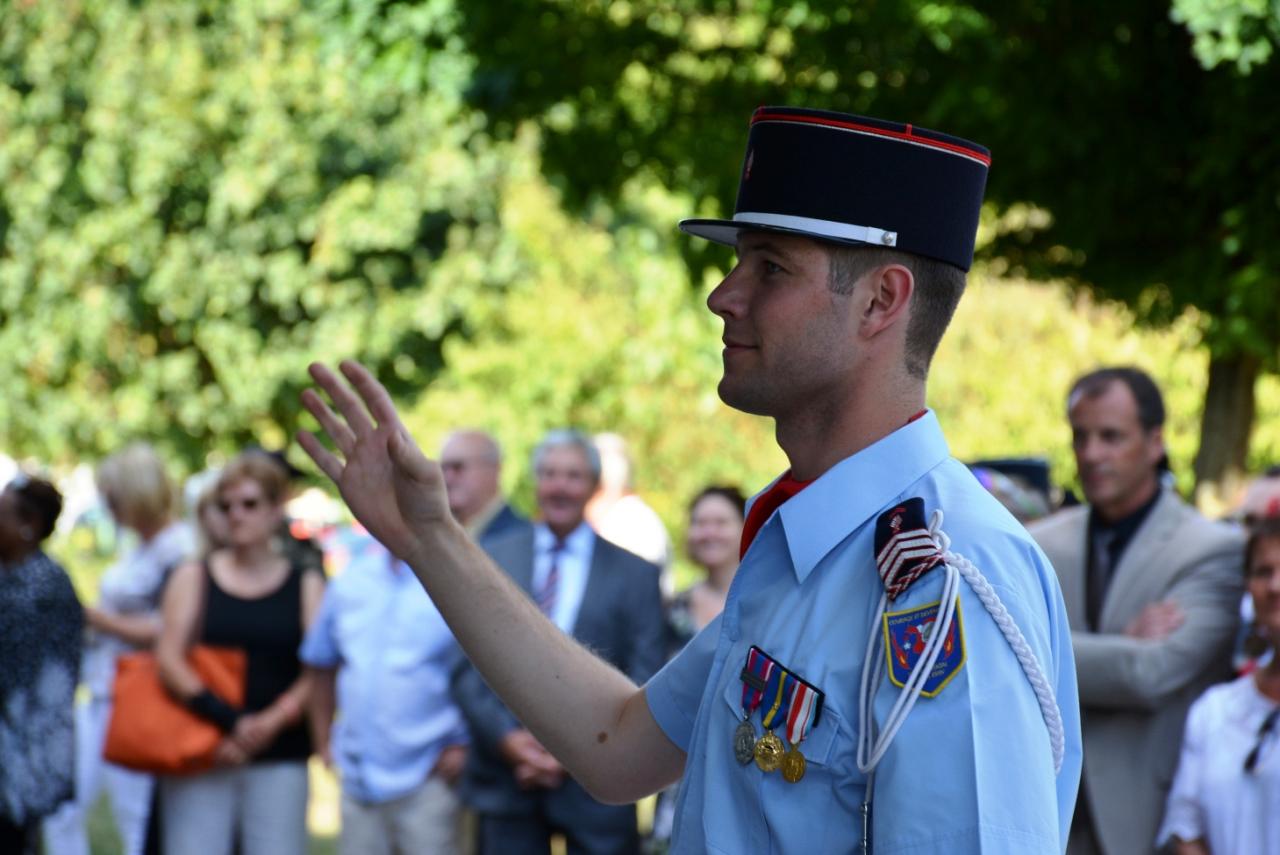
1156	450
888	296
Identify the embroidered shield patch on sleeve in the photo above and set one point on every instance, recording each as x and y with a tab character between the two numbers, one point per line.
905	635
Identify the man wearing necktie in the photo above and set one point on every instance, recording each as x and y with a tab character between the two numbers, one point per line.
1152	590
603	596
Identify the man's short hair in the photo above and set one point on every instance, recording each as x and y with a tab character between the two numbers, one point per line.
573	439
933	301
1139	383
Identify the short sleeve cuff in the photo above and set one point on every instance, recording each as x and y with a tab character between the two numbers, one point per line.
317	652
668	713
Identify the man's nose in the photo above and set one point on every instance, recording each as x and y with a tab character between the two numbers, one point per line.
1088	448
728	298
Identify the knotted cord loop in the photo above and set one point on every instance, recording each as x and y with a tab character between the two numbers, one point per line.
1026	657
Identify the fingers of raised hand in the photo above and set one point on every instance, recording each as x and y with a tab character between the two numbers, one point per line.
330	465
353	411
408	456
373	393
335	427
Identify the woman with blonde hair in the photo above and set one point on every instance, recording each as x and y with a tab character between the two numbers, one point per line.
136	489
211	522
246	595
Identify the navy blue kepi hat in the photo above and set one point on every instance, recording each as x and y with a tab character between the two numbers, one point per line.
854	180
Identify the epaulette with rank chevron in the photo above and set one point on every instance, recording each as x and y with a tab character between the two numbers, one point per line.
904	549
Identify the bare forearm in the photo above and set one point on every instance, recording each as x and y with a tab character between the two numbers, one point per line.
588	714
1190	847
293	702
138	630
322	706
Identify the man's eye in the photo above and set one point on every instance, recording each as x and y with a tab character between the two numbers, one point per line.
771	268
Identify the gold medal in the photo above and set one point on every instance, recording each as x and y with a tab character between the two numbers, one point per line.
793	764
769	750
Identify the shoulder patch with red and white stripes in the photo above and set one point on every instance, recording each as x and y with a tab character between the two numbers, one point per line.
904	549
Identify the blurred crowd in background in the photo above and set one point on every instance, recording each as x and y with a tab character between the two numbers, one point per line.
349	661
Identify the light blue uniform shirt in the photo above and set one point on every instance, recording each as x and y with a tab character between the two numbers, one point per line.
971	771
393	653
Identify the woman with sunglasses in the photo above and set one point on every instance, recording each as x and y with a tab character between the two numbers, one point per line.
1226	796
246	595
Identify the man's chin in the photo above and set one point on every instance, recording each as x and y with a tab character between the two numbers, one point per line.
744	398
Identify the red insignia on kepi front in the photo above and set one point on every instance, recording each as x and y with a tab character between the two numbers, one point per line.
905	551
905	635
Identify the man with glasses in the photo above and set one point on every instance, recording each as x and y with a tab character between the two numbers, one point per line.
471	461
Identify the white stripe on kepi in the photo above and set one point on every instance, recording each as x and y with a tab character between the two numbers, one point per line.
828	228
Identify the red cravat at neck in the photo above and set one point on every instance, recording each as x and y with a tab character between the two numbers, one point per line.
770	500
773	498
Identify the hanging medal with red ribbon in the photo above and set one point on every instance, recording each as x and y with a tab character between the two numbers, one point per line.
803	711
787	703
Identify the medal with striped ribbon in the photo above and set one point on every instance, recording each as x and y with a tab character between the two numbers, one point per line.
769	747
803	711
755	677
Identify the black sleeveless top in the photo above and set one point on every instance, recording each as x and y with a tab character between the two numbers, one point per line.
269	630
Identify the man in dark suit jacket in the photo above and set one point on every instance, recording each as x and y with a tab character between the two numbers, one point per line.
609	600
471	461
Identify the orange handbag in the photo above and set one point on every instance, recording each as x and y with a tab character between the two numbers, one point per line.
151	731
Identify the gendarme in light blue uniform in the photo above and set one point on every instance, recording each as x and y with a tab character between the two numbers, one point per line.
971	771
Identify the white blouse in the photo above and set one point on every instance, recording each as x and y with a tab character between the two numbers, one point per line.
132	586
1213	798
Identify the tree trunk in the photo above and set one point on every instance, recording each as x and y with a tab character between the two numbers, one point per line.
1224	430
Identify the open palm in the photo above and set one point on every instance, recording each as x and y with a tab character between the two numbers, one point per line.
385	479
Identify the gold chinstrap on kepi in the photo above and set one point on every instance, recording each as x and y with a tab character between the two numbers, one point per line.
786	701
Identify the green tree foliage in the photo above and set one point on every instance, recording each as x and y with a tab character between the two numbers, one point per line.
196	199
1121	164
602	330
1244	32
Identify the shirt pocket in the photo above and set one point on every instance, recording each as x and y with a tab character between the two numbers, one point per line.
829	790
818	746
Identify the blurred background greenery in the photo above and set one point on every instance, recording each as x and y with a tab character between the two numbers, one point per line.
478	200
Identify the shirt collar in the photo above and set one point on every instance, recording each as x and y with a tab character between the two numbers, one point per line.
850	493
1120	532
485	516
577	540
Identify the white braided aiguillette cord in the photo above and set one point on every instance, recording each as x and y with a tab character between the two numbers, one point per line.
1030	665
871	748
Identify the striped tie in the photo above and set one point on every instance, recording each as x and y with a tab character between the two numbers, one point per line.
547	593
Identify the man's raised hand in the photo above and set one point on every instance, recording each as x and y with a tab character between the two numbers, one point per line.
391	487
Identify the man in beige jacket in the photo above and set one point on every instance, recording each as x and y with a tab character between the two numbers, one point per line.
1152	590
